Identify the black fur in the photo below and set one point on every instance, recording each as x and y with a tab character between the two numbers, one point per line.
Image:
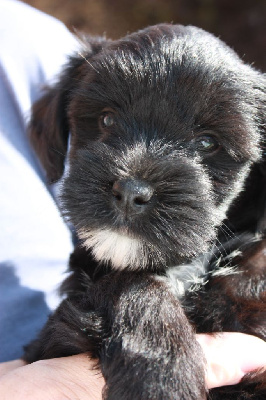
166	189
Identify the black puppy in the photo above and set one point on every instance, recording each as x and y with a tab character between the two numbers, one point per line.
166	142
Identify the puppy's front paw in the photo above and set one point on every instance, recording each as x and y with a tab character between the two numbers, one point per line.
152	353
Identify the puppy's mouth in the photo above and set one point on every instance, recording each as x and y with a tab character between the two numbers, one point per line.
117	248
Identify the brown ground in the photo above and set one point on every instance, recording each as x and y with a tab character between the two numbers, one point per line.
240	23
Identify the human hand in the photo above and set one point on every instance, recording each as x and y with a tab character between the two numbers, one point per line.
64	378
229	356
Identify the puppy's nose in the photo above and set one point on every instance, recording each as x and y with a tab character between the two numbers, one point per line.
132	196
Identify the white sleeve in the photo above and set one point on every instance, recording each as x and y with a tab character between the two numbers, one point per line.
34	241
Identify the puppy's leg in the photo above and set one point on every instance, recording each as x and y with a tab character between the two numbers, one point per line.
234	299
152	352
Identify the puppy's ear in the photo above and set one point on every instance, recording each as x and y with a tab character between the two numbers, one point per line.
262	123
248	212
48	131
48	127
262	109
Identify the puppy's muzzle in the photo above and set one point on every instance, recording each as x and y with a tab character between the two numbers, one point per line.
132	196
145	206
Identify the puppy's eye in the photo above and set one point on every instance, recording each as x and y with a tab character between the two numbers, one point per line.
107	120
207	144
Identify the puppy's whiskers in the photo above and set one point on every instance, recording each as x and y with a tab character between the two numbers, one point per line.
227	231
58	152
215	251
87	61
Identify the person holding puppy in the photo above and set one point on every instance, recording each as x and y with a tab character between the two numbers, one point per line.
30	264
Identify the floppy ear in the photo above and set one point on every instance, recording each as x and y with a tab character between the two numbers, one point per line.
48	127
262	124
262	111
262	221
248	212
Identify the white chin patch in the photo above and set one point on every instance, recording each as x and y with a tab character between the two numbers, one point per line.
108	246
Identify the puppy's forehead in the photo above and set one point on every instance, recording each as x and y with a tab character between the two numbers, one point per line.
185	67
164	54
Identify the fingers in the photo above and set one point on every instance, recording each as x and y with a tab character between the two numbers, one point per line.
230	356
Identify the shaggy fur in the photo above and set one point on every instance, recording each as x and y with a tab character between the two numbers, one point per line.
166	190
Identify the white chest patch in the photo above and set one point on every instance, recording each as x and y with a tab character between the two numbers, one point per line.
109	246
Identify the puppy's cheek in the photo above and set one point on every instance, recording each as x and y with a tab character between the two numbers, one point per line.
228	192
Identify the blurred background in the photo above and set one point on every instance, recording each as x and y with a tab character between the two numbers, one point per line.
240	23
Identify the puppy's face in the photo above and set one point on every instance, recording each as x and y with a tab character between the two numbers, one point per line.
165	125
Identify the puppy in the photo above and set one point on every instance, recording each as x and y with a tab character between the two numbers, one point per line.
166	191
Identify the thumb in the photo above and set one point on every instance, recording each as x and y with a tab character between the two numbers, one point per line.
230	356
